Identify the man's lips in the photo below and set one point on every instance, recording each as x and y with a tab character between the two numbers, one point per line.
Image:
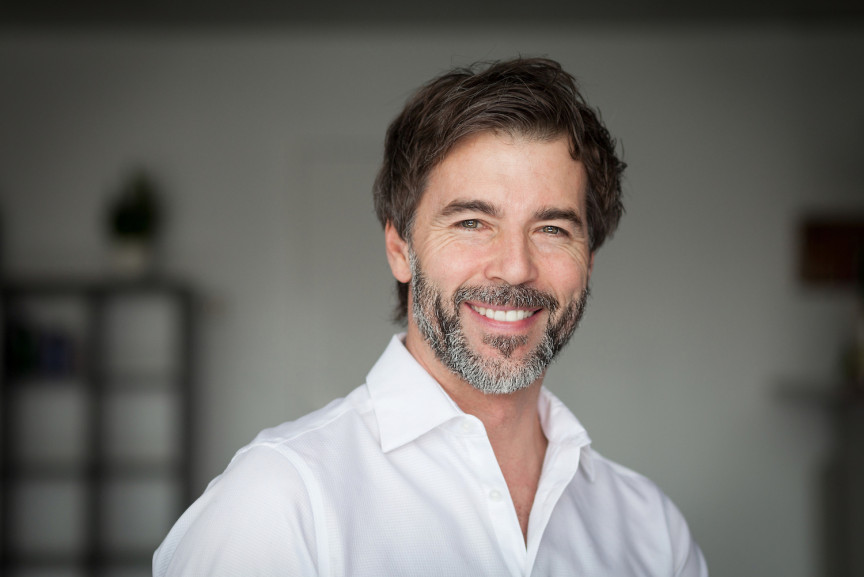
507	316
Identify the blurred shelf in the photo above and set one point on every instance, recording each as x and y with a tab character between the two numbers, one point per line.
62	560
40	287
98	445
43	559
45	381
113	380
118	469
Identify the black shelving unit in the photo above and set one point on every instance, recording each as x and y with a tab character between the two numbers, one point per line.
104	401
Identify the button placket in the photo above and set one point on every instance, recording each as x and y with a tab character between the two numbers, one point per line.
502	513
559	467
493	492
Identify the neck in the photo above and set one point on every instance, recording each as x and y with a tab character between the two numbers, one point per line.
512	424
511	420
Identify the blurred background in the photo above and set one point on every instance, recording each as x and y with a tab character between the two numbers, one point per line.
189	254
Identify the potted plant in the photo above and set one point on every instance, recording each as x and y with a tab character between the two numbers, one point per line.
134	219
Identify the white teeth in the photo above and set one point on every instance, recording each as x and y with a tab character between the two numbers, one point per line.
505	316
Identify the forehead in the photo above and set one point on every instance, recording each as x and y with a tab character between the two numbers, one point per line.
513	171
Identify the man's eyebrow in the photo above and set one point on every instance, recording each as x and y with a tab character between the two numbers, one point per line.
560	214
460	206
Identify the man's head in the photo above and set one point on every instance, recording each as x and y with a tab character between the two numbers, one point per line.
528	98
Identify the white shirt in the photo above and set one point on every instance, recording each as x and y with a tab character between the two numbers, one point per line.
396	480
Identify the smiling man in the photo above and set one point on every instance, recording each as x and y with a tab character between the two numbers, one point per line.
498	186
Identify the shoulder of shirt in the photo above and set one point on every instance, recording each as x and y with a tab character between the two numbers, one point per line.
642	500
608	471
357	402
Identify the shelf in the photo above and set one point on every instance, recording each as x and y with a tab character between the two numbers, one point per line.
59	560
110	380
96	452
59	287
43	471
45	381
44	560
139	382
22	471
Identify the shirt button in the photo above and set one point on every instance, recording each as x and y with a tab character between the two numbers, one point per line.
466	426
495	495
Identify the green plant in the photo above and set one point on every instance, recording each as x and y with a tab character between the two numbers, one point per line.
135	214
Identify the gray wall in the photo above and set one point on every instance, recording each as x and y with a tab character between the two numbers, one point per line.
266	145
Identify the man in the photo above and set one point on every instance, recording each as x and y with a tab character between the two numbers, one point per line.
497	188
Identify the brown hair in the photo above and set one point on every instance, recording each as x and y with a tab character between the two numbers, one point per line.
531	97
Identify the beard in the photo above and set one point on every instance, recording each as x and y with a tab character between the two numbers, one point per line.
501	374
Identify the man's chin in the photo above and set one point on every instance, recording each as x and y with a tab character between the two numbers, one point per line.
506	347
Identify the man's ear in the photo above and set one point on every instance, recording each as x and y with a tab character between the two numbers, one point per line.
397	253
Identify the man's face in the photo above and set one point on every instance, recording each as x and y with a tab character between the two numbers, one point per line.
498	262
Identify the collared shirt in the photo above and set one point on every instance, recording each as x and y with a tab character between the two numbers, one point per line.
395	479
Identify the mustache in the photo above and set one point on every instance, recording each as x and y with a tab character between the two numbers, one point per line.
506	295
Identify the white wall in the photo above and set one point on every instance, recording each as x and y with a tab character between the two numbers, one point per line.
266	144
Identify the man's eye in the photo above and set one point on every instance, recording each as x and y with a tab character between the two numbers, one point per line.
470	223
549	229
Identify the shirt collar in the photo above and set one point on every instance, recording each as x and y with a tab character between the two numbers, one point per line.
564	431
409	403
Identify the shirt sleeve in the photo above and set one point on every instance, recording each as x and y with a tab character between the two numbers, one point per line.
253	520
689	561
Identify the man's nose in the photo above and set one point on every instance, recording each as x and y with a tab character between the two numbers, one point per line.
512	259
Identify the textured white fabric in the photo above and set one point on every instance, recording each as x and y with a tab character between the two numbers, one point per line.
396	480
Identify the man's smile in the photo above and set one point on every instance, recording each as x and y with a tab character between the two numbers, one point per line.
508	316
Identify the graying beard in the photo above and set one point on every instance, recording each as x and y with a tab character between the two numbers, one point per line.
448	342
505	345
